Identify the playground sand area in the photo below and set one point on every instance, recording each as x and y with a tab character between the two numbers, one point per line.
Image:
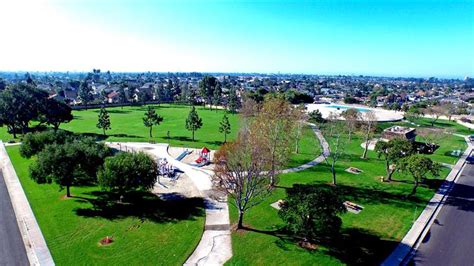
181	186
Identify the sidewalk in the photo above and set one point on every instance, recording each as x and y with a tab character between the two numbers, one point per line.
318	159
408	245
35	244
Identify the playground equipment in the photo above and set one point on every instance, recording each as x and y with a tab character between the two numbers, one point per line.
204	157
166	169
184	154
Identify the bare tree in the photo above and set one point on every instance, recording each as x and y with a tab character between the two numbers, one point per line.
300	119
248	112
369	124
240	172
434	112
274	127
334	133
351	117
432	136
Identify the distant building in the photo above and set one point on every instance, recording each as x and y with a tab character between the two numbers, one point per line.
399	132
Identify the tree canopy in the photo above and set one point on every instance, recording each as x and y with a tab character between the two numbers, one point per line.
151	119
127	172
312	211
103	121
193	122
224	127
392	152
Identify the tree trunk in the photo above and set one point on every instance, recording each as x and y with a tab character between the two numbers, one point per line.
55	128
389	173
413	192
241	218
68	191
364	155
225	137
297	150
333	171
104	130
14	132
193	135
151	128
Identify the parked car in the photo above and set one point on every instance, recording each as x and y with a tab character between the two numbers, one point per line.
471	137
470	159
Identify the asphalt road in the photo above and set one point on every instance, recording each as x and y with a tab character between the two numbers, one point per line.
450	240
12	250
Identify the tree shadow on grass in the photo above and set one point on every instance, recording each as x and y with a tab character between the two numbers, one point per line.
181	138
214	143
353	246
142	205
101	137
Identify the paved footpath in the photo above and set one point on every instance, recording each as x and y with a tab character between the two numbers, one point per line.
12	250
450	239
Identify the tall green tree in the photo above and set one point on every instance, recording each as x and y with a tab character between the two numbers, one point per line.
122	96
193	122
206	88
217	95
224	127
55	113
392	152
233	104
85	93
103	120
126	172
33	143
69	163
151	118
312	211
19	105
418	167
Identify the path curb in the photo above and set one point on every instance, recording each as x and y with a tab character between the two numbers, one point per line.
407	247
35	244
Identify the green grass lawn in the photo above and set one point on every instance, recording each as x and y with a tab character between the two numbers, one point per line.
127	125
150	233
460	129
367	238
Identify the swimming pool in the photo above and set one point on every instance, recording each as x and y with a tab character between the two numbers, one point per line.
343	107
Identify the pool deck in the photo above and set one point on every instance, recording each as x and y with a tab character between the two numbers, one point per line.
381	114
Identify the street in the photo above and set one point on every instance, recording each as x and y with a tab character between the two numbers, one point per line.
450	240
12	250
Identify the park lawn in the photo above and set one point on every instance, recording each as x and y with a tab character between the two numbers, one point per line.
367	238
72	227
442	123
127	126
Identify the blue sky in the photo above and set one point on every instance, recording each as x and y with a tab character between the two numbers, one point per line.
394	38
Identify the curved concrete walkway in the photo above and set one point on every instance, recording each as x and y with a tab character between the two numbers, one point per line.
318	159
215	246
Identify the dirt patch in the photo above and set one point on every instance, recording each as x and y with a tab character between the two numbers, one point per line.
106	241
307	245
65	197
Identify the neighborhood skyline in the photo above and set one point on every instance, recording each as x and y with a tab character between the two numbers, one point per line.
383	38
